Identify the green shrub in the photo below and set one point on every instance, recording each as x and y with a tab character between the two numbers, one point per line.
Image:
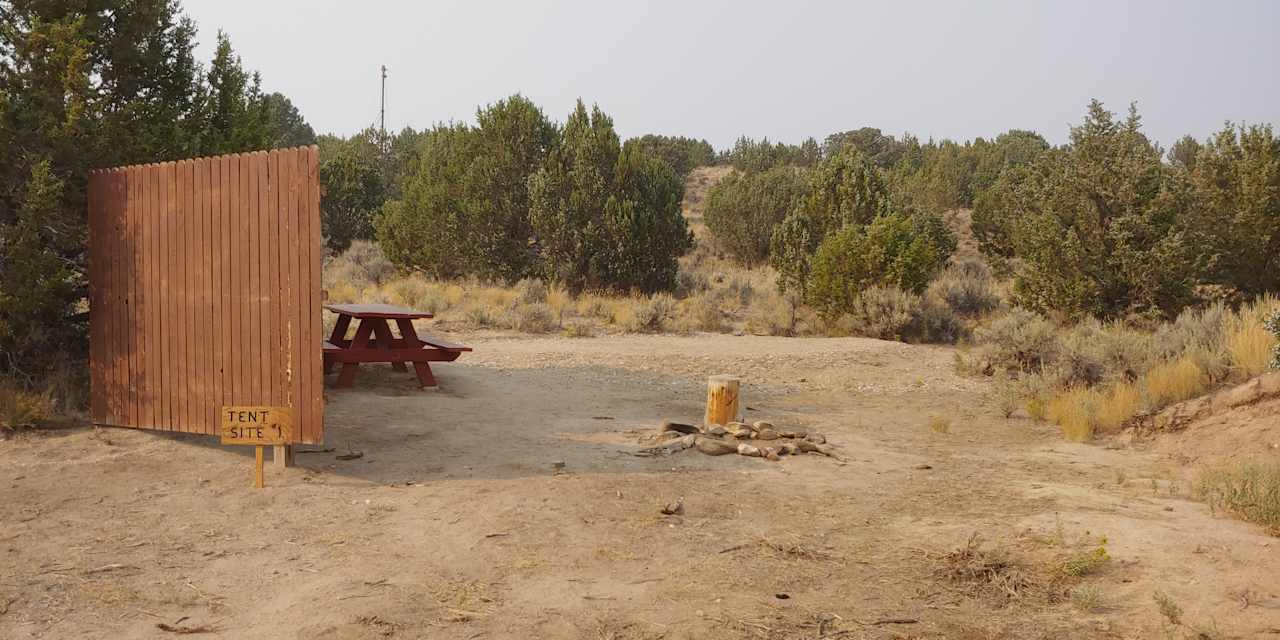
885	313
606	218
895	249
967	287
845	190
1021	340
531	291
466	206
1099	227
937	322
361	265
652	314
38	287
690	283
532	318
1236	180
743	209
354	188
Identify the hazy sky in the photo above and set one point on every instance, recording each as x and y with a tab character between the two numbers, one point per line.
786	70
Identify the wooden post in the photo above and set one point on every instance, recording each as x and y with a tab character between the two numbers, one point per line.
260	480
722	400
282	455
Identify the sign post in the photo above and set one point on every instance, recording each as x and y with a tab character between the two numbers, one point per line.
260	427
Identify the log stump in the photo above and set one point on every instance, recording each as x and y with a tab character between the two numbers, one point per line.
722	400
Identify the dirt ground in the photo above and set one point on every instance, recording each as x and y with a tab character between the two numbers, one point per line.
459	522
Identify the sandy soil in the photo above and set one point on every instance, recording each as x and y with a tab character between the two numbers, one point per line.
456	522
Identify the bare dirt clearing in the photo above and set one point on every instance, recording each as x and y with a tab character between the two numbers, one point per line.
457	521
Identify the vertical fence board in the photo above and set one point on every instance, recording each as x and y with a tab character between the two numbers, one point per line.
261	306
146	300
303	294
121	286
131	302
273	274
226	193
200	286
182	324
215	281
289	253
312	355
113	298
165	267
204	290
156	326
248	240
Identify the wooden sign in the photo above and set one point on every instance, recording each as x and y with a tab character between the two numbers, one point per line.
258	426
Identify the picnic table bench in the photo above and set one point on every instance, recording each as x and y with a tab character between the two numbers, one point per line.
374	342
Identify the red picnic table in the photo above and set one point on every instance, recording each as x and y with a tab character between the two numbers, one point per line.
373	342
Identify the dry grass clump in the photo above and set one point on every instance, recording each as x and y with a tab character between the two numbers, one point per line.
774	316
939	424
1250	492
1073	411
987	571
1175	381
1116	407
21	409
1087	598
1250	344
701	313
1168	607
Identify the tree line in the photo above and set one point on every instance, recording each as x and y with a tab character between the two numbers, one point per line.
1108	225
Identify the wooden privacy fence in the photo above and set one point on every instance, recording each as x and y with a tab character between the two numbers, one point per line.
204	291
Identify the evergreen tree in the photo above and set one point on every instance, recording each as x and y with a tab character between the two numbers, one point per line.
606	219
353	188
79	89
285	126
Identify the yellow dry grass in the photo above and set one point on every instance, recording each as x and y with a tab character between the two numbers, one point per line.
939	424
1249	344
1116	407
1073	412
1175	381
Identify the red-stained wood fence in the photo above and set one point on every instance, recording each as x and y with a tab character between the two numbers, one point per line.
204	291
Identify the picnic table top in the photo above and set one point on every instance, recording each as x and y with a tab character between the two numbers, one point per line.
387	311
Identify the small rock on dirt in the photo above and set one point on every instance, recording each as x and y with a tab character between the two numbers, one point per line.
679	427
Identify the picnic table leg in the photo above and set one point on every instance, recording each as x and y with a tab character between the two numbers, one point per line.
410	337
382	332
425	377
339	334
348	375
340	330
